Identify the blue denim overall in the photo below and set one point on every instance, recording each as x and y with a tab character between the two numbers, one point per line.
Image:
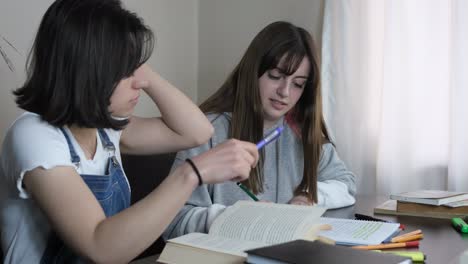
111	190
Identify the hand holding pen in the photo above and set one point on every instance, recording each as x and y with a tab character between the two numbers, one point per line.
269	138
231	160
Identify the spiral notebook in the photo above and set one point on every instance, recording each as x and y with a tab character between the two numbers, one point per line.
352	232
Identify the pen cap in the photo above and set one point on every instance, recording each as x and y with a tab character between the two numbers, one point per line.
458	221
270	137
274	134
460	225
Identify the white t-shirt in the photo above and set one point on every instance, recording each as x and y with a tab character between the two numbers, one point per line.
31	143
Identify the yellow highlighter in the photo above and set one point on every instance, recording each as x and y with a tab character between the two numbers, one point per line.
416	256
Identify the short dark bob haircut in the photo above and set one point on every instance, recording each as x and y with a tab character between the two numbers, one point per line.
83	48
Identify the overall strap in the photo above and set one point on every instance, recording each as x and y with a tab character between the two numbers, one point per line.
106	142
74	157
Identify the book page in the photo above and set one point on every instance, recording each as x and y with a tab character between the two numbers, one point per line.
215	243
358	232
268	223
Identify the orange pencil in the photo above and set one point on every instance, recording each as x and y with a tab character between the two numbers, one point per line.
407	238
389	245
415	232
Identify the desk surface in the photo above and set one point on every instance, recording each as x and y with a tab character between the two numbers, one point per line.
441	243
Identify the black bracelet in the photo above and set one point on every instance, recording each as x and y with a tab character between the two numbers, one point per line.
200	181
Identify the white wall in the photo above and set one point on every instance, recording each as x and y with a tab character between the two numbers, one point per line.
18	22
175	23
175	57
226	28
198	42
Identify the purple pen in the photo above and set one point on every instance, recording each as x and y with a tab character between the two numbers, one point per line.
272	136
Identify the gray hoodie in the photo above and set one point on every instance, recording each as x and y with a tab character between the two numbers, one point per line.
283	169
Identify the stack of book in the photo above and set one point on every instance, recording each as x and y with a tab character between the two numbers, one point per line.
426	203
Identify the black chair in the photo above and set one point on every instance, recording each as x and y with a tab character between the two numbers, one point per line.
1	251
144	174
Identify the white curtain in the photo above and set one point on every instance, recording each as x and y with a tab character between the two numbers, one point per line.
395	84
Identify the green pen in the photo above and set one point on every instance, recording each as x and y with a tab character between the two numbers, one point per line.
249	193
416	256
460	225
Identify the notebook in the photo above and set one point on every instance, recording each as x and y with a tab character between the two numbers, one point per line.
302	252
352	232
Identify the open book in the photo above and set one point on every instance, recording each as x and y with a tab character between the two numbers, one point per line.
245	225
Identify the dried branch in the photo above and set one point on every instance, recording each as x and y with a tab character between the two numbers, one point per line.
4	55
7	60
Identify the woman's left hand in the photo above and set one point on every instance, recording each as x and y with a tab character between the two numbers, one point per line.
301	200
143	76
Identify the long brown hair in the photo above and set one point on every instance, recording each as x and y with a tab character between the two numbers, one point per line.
285	42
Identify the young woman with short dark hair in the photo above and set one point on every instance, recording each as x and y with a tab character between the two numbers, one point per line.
68	197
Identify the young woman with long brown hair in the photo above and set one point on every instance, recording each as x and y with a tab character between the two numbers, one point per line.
276	83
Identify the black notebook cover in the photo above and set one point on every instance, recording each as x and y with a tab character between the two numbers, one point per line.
302	251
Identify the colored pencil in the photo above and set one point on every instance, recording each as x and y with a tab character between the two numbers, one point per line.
389	245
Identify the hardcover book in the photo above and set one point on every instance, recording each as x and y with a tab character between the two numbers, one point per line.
433	197
305	252
390	208
431	209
